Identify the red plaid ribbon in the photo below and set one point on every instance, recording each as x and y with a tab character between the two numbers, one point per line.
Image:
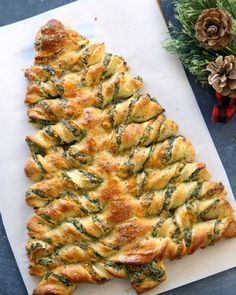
224	111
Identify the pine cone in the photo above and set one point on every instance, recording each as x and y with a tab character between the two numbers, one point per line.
223	75
213	28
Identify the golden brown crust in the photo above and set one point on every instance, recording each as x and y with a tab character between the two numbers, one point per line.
229	229
117	189
52	38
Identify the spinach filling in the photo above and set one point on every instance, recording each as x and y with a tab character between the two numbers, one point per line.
47	109
106	62
41	122
34	148
156	273
116	89
84	246
36	192
95	219
107	59
129	167
86	53
168	193
196	192
142	182
52	134
150	154
75	131
140	273
212	237
117	266
92	178
83	158
100	96
83	209
83	81
118	135
206	211
194	175
160	128
63	103
43	91
39	164
34	246
146	135
79	226
177	232
188	236
157	227
48	69
60	89
46	218
44	261
130	108
63	280
98	204
168	153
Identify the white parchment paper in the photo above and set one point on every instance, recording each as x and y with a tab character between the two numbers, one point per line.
134	29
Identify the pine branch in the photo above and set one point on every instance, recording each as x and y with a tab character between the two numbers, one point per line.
183	42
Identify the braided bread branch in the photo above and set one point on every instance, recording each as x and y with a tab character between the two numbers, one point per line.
192	174
131	110
176	243
42	225
111	74
41	192
123	138
185	216
138	159
154	203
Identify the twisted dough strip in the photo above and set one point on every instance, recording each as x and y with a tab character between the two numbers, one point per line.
171	176
123	138
38	167
155	156
42	227
143	277
175	148
154	203
143	134
179	242
131	110
107	77
47	110
40	193
120	85
169	237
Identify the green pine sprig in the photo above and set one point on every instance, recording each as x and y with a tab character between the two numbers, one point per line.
183	42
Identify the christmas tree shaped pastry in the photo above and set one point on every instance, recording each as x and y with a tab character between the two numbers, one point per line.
116	188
